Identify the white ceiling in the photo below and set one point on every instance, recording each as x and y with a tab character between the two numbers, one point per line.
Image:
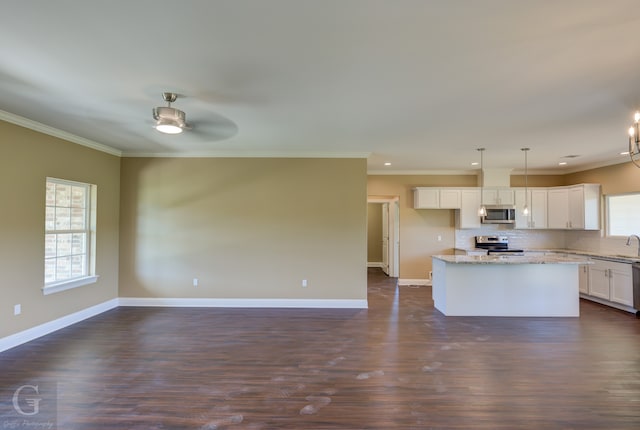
418	83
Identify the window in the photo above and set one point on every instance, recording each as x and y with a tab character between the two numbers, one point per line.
69	235
622	214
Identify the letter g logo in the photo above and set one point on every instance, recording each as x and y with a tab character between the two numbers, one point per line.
33	402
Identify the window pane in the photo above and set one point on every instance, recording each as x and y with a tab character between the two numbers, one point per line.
78	197
67	208
63	268
50	217
51	194
77	218
49	246
63	244
78	243
63	218
50	270
63	195
77	266
623	218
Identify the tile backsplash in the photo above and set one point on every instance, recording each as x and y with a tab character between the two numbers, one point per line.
518	239
594	241
590	241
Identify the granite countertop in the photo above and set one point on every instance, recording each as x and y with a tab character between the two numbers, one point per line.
511	259
618	257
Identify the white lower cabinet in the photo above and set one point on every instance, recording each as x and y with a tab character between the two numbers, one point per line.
621	282
583	278
611	281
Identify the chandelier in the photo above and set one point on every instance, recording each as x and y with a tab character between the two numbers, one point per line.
634	141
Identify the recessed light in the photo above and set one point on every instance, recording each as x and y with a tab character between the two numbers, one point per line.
475	163
562	163
387	164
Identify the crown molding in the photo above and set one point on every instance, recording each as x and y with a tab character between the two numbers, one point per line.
422	172
558	171
246	154
60	134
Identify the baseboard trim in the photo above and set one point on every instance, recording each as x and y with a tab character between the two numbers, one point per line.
421	282
244	303
375	264
44	329
30	334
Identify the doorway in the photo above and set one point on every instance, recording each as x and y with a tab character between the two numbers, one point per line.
389	237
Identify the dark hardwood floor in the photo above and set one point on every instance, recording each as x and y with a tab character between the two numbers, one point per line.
399	364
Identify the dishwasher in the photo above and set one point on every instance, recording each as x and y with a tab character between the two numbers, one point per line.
636	287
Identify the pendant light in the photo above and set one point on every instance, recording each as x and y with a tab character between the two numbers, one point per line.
482	211
525	209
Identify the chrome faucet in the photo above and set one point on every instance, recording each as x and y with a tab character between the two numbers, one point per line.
629	242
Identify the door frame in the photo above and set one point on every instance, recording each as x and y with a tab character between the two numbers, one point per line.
393	228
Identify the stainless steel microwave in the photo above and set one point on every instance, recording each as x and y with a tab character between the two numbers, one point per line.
499	215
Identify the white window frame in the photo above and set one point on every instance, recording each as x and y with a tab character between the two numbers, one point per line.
608	214
89	273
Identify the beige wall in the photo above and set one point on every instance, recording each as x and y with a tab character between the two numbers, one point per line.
374	232
419	229
615	179
26	159
538	180
246	228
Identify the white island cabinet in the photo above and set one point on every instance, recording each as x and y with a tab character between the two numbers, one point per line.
513	286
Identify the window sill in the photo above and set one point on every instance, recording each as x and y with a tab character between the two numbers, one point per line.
67	285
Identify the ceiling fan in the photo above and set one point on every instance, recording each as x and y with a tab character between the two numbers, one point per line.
170	120
205	125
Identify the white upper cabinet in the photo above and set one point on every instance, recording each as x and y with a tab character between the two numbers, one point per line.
576	207
426	198
469	205
537	202
450	199
498	196
558	208
436	198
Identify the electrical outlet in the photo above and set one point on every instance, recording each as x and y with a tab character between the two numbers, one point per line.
195	282
439	238
17	309
304	282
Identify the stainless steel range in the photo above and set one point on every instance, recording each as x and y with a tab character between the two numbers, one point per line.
496	245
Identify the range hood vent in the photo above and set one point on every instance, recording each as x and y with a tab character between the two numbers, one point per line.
495	178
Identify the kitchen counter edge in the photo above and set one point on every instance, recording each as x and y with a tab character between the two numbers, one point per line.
516	259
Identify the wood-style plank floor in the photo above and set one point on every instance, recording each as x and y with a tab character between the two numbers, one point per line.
399	364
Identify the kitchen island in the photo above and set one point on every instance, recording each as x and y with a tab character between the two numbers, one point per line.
515	286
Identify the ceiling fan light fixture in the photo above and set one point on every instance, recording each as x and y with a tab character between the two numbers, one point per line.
169	120
168	126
